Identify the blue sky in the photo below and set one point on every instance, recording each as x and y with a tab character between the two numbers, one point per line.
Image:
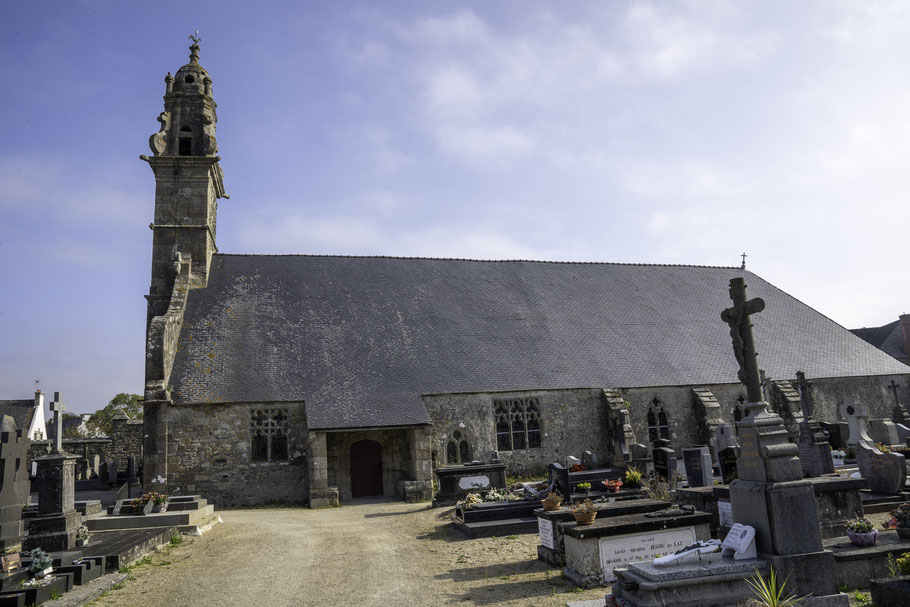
644	132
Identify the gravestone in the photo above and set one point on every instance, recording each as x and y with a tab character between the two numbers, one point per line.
558	478
14	485
724	436
727	463
814	452
55	526
619	435
589	460
665	464
111	476
883	431
838	434
571	460
857	415
96	465
699	470
812	443
494	457
885	472
131	469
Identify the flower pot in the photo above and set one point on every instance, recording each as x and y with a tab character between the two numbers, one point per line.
584	518
550	505
613	489
82	542
862	539
903	532
160	507
838	461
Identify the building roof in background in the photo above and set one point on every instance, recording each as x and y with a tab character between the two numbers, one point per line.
888	338
20	410
361	338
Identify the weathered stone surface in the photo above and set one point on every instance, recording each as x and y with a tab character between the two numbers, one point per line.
893	592
699	471
885	472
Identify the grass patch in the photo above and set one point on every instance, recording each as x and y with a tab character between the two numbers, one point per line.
176	538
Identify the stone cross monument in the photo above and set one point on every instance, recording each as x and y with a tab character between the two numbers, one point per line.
770	493
55	526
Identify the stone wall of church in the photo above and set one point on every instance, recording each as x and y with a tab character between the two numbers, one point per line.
396	459
126	441
210	453
571	421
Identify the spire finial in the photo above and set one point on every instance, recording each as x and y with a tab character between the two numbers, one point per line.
743	266
194	48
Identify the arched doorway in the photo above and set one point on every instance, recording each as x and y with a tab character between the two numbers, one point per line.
366	468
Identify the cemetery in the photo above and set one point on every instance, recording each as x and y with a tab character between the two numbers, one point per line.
762	495
57	532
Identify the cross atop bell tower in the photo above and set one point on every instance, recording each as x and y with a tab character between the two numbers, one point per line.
188	184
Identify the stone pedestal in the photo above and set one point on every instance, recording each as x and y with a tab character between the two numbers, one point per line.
14	484
58	520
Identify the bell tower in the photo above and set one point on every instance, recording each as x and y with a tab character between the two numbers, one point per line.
188	184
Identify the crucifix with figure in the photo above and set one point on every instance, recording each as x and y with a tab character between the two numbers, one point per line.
743	342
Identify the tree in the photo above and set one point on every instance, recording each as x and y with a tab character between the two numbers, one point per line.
102	420
73	431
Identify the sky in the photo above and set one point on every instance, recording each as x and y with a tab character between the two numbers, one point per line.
634	132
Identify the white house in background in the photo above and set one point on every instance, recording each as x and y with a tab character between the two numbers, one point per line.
28	414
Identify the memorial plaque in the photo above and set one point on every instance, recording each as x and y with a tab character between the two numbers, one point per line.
545	532
118	506
725	514
739	538
619	550
473	482
149	506
10	562
665	465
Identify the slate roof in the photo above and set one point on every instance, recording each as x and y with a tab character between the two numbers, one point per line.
888	338
361	338
20	410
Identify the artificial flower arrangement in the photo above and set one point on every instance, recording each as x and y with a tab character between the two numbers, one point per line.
577	468
612	485
883	447
159	499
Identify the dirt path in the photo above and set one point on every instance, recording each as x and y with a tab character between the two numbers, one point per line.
380	553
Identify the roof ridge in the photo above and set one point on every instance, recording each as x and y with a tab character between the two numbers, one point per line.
417	257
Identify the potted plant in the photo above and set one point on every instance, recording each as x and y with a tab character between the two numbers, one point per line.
837	456
861	532
900	520
552	501
583	487
633	478
83	535
584	512
41	564
612	486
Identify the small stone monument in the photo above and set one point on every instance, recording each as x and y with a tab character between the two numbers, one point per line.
883	431
885	472
899	414
14	485
665	462
726	461
812	444
571	460
856	414
699	470
589	460
55	526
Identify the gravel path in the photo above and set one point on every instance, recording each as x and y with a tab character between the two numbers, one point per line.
364	554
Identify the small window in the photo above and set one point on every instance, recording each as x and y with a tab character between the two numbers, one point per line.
186	146
189	79
268	435
658	424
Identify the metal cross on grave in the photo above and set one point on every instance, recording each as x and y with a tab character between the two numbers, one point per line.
741	333
58	408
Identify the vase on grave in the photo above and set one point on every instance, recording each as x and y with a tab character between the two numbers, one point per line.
585	518
862	539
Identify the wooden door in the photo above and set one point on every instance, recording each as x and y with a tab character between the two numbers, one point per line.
366	468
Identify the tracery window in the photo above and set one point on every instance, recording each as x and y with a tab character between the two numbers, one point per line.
458	451
268	434
517	423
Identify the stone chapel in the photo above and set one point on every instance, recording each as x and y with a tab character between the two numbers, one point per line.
318	379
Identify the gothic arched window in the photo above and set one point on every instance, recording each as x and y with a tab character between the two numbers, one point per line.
658	424
458	451
517	423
